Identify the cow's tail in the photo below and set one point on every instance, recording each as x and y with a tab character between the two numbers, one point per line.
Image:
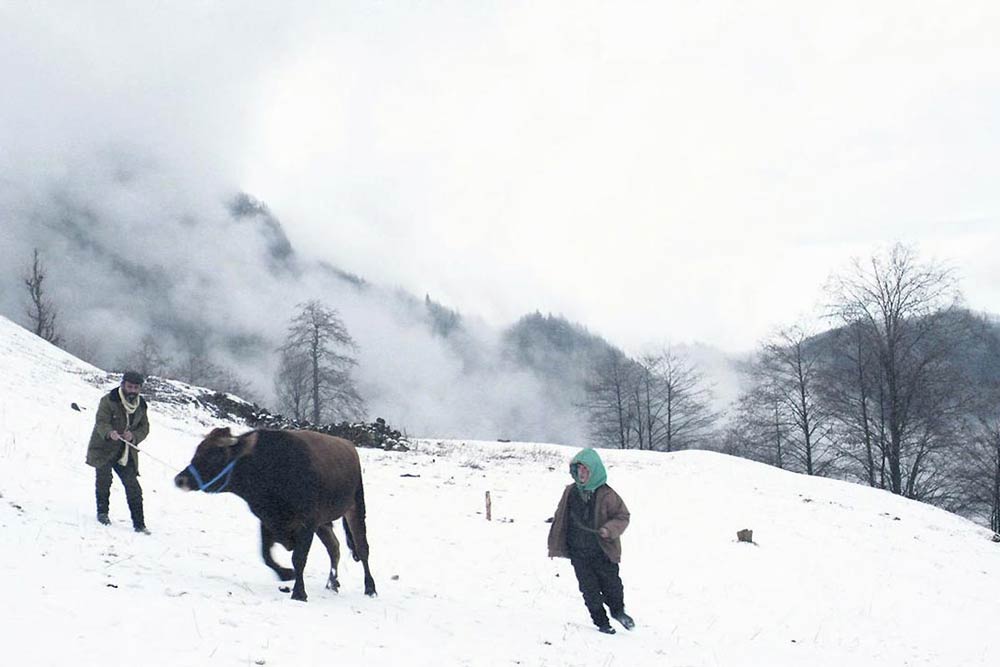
359	516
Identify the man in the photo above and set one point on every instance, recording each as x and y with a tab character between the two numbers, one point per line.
586	528
121	424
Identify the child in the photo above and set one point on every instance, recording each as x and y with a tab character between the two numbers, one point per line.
586	529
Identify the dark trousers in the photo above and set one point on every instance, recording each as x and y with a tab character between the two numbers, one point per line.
601	585
129	476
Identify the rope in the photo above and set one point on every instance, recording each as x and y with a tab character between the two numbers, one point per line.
226	472
145	453
579	524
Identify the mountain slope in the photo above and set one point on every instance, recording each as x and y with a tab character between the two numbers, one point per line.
840	574
212	282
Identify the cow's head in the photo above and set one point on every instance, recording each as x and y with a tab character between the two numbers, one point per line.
214	460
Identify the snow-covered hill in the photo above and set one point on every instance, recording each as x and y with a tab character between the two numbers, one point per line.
839	575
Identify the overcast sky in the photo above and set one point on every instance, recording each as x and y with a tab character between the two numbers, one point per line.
662	171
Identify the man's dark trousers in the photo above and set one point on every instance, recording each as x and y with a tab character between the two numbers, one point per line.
129	475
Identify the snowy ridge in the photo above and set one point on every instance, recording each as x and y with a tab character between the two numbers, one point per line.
840	574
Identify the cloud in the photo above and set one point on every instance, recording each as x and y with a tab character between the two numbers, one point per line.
568	158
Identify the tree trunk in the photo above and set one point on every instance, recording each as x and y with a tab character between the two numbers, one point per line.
995	516
315	382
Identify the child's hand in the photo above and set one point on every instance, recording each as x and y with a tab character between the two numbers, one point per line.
603	532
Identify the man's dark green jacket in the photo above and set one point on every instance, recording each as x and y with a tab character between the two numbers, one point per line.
111	416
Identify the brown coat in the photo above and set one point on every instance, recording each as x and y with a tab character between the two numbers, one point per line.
610	512
111	416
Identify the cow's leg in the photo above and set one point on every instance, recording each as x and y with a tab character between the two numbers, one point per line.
266	542
359	536
303	538
329	540
347	535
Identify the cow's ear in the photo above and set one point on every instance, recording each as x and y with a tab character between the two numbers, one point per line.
246	443
221	437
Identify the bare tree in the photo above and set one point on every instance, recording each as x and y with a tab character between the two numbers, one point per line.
906	313
317	335
675	402
226	381
758	429
194	365
979	461
779	418
642	402
852	391
41	312
981	464
82	346
197	368
790	368
659	401
147	358
608	401
291	384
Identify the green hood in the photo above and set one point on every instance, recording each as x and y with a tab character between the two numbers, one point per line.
598	475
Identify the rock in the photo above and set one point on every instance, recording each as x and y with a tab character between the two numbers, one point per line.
224	406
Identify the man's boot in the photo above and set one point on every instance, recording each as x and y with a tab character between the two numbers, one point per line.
624	619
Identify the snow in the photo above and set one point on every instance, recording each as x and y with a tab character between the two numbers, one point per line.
839	574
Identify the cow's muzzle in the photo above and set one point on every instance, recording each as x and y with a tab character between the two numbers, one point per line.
184	482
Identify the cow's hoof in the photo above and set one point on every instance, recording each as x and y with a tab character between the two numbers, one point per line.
333	585
371	593
286	574
300	596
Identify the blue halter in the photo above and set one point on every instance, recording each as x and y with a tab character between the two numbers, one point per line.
204	486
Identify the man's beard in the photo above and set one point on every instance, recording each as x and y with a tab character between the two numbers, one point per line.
131	396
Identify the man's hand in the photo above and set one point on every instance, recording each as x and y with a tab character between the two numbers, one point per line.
127	436
114	435
603	532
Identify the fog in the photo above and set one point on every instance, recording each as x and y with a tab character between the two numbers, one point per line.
123	260
119	143
656	171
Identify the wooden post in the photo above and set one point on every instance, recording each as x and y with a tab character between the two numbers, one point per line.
489	507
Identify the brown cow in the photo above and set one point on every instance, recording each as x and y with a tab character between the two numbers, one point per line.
297	483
